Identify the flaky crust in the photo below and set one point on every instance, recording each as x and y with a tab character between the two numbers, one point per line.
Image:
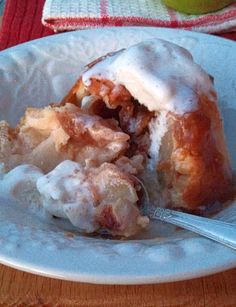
47	136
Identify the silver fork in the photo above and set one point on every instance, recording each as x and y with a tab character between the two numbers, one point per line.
222	232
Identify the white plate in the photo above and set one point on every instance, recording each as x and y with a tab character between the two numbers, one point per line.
42	71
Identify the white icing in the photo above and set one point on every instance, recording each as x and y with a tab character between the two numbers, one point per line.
20	177
157	128
66	193
159	74
20	185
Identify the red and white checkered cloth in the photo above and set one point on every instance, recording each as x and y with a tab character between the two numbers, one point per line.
62	15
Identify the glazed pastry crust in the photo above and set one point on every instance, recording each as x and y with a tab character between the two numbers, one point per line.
194	168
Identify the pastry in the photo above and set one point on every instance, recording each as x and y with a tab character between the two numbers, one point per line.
168	105
145	116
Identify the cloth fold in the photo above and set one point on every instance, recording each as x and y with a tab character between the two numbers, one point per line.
21	20
63	15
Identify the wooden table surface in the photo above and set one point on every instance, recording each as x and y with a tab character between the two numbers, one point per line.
23	289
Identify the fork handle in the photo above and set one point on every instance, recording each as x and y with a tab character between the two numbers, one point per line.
222	232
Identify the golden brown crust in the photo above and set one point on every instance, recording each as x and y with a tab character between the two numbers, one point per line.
211	178
197	172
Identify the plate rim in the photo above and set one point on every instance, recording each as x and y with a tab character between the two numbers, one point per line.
112	279
208	36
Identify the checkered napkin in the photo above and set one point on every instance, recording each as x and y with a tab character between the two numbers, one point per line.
63	15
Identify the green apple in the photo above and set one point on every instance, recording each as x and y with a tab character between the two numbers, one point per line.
197	6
